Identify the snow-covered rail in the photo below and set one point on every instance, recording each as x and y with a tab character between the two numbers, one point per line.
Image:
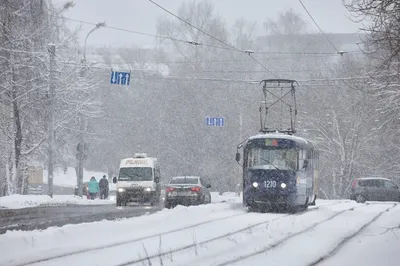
347	238
280	242
195	244
217	234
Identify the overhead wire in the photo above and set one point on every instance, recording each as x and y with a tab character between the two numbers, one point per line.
326	37
232	48
214	38
197	28
316	24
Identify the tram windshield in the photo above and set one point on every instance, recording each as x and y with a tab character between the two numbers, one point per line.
265	158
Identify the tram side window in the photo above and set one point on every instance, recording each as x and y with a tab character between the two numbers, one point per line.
310	159
302	158
308	155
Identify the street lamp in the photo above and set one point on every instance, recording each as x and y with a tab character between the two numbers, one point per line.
97	26
81	147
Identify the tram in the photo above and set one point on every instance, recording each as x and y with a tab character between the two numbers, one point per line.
280	170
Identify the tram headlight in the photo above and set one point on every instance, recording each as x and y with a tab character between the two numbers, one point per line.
255	184
283	185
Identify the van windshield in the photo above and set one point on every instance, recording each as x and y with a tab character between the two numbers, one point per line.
135	174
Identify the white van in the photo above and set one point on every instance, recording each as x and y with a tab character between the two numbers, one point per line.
138	180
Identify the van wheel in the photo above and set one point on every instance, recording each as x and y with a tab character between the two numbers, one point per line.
360	199
154	201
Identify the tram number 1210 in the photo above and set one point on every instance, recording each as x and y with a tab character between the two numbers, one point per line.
270	184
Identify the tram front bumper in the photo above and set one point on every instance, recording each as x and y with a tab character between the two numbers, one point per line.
253	195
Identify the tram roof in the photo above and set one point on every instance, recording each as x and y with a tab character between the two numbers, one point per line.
298	140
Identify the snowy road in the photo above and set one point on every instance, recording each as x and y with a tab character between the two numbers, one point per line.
329	234
44	217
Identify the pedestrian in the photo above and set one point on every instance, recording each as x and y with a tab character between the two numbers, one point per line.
103	187
93	187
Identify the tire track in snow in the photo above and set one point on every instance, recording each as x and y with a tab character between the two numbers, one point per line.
335	249
127	241
288	237
160	254
68	254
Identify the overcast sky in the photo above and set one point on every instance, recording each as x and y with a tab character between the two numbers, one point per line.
141	15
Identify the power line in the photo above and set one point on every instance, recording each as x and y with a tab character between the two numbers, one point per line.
216	61
197	43
197	28
258	81
121	29
267	69
214	38
316	24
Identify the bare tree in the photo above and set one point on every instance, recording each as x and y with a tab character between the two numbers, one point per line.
27	29
382	25
288	23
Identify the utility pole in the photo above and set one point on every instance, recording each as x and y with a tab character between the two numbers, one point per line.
51	96
80	156
81	148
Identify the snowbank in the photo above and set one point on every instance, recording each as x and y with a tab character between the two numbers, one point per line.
171	230
225	197
24	246
26	201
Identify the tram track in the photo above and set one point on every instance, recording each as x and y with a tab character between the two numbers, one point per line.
223	236
157	235
127	241
282	241
345	240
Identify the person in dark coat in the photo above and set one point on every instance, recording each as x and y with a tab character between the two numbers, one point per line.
103	184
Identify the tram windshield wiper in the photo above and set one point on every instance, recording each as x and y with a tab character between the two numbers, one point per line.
270	163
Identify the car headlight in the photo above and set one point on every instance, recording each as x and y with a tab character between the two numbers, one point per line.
121	189
255	184
147	189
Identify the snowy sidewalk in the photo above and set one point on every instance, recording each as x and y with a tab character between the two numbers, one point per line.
26	201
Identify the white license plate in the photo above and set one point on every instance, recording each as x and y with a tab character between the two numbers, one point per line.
184	193
270	184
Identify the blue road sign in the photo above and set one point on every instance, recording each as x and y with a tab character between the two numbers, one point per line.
120	78
215	121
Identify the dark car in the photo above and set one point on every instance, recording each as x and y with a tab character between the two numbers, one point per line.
187	190
374	189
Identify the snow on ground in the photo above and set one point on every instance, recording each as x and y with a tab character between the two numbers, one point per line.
68	178
26	201
225	197
378	245
22	246
220	234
